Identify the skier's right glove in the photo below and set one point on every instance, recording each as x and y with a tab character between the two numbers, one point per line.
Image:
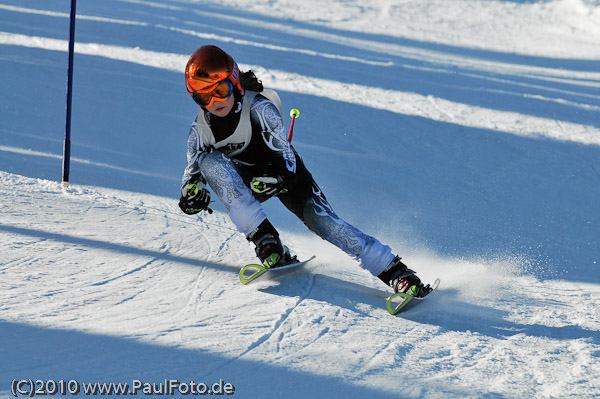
195	198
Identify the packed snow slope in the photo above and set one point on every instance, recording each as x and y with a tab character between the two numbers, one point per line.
465	134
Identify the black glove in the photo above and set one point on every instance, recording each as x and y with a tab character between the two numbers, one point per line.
267	186
195	199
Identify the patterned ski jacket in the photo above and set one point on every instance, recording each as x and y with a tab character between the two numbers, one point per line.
258	143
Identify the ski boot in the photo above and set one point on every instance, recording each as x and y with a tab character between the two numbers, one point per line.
398	276
269	249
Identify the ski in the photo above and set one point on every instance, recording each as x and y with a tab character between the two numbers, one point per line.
400	300
253	271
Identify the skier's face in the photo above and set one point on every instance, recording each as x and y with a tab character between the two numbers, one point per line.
222	108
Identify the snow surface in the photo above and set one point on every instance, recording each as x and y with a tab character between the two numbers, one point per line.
463	133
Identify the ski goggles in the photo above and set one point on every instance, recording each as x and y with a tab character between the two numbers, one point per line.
221	92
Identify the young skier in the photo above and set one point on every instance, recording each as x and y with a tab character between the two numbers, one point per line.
238	146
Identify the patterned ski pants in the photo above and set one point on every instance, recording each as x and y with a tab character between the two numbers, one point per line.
231	181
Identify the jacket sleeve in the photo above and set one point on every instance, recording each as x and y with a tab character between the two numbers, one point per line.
280	153
195	152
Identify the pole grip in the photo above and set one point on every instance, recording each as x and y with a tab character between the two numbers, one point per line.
294	113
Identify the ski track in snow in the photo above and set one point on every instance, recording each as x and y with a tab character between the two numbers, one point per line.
492	333
102	284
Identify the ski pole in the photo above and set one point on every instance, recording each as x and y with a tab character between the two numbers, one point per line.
294	113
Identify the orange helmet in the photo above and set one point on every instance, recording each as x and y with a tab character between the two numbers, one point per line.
207	67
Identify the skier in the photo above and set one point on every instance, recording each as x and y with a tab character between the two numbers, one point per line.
237	145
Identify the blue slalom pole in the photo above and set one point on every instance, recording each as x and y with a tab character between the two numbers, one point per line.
67	144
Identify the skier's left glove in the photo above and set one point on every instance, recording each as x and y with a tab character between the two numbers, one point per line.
195	198
267	186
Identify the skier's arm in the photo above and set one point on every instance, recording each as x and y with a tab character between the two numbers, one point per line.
194	152
194	193
280	154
